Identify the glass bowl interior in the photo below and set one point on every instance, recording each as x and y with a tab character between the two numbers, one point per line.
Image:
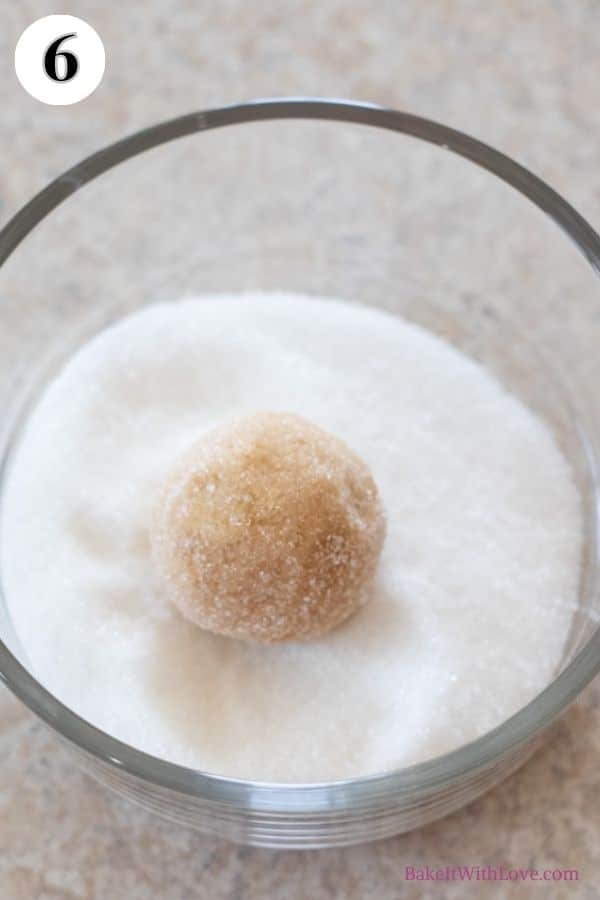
304	198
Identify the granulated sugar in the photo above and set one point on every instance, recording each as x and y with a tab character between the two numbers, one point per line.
475	587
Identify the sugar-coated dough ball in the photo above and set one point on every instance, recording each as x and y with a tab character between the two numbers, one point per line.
269	529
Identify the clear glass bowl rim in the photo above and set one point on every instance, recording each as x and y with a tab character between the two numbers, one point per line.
313	798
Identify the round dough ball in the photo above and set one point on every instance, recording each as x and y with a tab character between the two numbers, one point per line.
269	529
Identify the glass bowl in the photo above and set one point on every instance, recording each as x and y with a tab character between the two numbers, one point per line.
404	214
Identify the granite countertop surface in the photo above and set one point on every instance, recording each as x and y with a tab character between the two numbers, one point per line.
520	75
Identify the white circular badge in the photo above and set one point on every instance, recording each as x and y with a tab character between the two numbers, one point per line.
59	60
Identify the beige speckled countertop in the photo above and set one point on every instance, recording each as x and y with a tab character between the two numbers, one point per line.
521	75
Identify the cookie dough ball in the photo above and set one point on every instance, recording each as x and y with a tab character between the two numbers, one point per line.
269	529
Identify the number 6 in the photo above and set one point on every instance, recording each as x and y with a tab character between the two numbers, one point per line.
51	55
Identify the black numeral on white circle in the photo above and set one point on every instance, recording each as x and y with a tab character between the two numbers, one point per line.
60	59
